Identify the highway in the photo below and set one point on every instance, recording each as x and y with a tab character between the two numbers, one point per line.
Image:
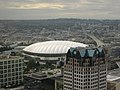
99	42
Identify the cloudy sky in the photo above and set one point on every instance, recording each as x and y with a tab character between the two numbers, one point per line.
47	9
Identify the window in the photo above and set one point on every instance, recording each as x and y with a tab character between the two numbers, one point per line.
9	79
1	76
5	62
8	62
9	70
16	69
5	67
13	66
12	61
5	71
5	75
9	66
16	73
1	63
1	67
12	70
1	71
16	61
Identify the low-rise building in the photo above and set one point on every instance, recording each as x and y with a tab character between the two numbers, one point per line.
113	80
38	81
43	81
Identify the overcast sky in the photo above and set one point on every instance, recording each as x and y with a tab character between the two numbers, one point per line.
48	9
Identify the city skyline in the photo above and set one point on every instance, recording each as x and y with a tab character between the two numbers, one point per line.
51	9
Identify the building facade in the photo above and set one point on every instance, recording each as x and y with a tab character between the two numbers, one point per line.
11	71
85	69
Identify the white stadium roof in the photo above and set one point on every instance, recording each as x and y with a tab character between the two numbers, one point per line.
52	47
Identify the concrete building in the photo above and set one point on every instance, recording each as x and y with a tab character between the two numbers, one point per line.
113	79
113	82
85	69
11	71
59	83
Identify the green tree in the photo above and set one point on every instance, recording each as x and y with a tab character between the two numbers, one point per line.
31	64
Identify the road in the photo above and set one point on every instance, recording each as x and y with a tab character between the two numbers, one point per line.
99	42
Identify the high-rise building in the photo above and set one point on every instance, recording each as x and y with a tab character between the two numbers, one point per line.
85	69
11	71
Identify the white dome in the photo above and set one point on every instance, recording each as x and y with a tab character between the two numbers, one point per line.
52	47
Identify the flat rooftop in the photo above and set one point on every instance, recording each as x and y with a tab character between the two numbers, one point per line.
115	72
112	78
114	75
44	74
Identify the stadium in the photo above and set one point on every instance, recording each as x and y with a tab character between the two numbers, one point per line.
50	50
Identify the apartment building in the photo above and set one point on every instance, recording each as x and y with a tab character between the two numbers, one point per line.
11	71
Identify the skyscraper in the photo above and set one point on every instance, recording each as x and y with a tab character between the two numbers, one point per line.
85	69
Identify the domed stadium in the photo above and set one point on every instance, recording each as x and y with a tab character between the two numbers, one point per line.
51	50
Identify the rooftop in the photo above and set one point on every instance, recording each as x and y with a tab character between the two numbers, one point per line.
86	52
114	75
44	74
115	72
52	47
112	78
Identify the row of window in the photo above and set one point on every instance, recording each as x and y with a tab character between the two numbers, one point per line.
12	83
13	64
11	79
10	74
68	73
67	87
10	61
11	71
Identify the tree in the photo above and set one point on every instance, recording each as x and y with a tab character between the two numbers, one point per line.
31	64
